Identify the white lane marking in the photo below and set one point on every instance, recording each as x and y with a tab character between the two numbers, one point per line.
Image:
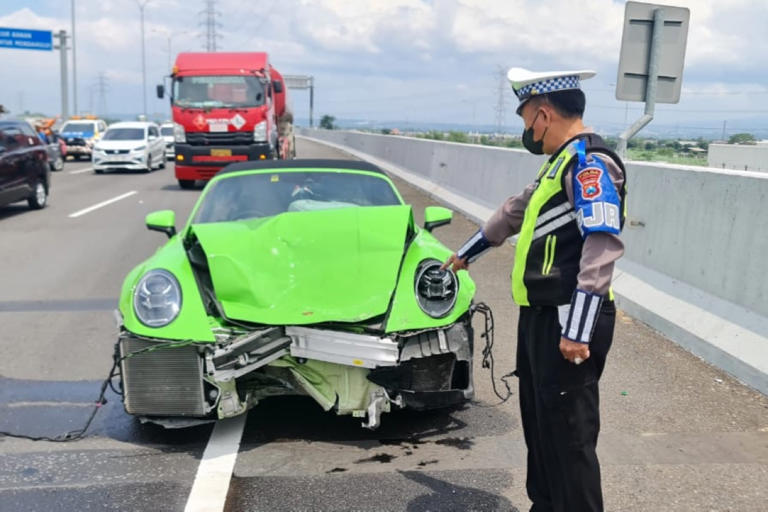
209	491
101	204
80	171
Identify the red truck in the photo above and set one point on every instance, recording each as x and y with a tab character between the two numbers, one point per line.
226	107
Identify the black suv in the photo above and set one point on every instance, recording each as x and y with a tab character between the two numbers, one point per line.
24	170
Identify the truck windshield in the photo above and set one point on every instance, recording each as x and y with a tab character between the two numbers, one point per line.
218	91
124	134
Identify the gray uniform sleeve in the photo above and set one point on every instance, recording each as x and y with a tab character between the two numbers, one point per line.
601	250
508	219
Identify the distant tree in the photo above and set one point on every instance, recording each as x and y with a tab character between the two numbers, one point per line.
386	131
326	122
454	136
741	138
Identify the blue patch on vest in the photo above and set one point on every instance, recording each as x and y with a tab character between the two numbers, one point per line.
595	199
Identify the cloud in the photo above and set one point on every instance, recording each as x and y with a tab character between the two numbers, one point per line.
389	58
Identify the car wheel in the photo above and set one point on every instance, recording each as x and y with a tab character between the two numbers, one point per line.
39	196
187	184
57	164
162	161
98	171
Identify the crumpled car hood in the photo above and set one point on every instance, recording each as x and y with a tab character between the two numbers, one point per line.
338	265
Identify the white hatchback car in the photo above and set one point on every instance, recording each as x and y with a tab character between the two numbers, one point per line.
132	145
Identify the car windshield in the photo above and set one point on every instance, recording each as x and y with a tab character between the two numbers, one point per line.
77	127
166	130
263	195
218	91
124	134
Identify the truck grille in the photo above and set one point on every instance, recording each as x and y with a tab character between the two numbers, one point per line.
220	139
164	382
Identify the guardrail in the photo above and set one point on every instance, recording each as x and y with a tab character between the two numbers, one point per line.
696	239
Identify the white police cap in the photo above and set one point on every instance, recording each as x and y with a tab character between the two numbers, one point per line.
526	83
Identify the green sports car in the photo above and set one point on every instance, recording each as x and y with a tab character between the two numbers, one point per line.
298	277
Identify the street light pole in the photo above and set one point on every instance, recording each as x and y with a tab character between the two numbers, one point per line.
142	4
74	63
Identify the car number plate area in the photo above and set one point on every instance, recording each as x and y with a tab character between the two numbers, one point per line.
221	152
218	127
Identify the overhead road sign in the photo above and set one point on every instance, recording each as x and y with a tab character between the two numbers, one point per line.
26	39
303	82
636	52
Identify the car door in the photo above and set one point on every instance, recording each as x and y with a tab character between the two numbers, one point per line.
11	172
34	156
155	143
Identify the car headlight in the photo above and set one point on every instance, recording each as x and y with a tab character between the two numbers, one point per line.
260	132
435	289
140	148
179	135
157	298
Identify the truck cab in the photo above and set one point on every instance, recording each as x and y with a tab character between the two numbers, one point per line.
224	111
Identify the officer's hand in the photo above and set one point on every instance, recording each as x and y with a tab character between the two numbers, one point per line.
456	262
572	350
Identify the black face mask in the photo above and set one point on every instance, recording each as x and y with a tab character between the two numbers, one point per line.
535	147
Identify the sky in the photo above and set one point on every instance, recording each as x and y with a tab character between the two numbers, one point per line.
426	61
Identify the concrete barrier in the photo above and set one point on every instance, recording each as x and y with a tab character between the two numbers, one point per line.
696	239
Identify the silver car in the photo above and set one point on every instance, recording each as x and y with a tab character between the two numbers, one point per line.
166	132
130	146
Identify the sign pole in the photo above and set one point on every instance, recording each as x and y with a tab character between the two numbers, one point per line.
62	37
311	99
650	86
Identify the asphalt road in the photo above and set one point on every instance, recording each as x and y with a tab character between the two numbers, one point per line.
677	434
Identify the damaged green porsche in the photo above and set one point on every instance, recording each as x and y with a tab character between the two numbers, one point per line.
295	278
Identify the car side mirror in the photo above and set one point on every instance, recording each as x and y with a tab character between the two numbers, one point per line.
277	85
436	216
160	91
163	220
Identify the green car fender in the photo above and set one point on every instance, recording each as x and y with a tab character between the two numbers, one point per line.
405	313
192	322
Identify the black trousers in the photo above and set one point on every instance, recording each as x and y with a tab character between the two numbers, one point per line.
559	402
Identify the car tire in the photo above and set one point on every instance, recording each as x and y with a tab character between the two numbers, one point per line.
99	171
39	197
187	184
162	161
57	164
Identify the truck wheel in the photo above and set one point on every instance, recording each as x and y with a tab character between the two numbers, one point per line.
187	184
39	197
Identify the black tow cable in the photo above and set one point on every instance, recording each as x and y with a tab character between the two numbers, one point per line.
488	361
77	434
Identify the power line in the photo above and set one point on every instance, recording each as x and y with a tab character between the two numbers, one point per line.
210	14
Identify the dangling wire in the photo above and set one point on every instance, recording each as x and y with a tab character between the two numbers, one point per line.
488	361
74	435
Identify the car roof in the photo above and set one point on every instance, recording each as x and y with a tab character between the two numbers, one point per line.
131	124
309	163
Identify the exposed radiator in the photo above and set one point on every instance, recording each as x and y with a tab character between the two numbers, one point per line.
162	382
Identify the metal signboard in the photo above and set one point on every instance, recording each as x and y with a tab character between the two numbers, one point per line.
25	39
298	81
636	43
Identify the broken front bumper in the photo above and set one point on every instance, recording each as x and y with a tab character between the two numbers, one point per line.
357	374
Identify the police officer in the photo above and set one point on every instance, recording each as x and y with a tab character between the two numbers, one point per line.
568	220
